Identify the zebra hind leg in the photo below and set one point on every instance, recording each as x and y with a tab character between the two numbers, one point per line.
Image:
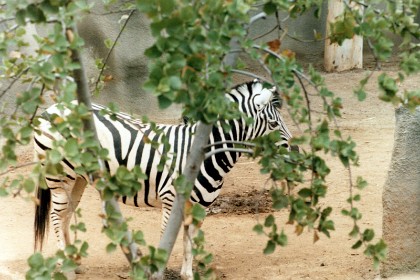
65	196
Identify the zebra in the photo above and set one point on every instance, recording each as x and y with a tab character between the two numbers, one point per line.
124	137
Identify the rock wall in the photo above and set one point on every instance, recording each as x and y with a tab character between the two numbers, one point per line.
127	64
401	197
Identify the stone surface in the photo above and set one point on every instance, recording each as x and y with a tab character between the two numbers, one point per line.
127	66
401	198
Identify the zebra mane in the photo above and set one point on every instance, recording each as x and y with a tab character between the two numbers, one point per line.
276	99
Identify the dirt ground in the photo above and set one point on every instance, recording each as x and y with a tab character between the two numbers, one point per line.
237	249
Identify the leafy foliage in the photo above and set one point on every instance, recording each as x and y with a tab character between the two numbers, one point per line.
192	40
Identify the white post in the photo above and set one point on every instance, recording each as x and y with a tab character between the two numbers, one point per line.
347	56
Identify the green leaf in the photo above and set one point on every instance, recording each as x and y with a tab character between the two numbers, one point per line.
269	249
55	156
361	94
25	133
357	244
164	102
28	185
36	260
153	52
388	87
68	265
111	247
138	237
21	17
167	6
70	250
198	212
146	6
71	147
83	249
3	192
355	214
354	232
35	14
59	276
368	235
269	221
258	229
79	227
54	169
175	82
269	8
108	43
361	183
305	192
280	202
282	239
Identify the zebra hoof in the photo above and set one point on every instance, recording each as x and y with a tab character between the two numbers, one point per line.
80	270
70	275
187	275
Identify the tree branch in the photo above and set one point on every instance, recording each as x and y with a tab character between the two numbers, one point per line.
83	97
192	168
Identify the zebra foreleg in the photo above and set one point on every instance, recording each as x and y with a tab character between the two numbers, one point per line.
187	265
190	231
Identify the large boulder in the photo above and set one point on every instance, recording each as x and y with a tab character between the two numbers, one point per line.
401	198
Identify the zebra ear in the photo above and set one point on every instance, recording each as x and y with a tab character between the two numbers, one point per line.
263	98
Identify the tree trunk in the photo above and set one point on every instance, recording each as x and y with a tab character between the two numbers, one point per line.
83	97
347	56
401	198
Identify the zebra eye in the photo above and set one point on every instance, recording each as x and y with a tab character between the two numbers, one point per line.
273	123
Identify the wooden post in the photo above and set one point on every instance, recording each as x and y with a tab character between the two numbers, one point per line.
347	56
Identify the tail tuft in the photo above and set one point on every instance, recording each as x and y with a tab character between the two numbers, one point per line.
42	216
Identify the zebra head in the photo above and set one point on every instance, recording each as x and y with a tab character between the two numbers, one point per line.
263	106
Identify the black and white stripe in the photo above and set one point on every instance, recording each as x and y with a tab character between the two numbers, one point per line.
125	140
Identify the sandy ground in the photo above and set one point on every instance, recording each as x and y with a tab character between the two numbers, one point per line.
237	249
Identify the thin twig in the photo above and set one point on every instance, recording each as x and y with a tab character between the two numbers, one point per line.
378	65
229	142
111	12
250	74
266	33
308	102
221	150
37	106
6	20
112	48
15	79
18	167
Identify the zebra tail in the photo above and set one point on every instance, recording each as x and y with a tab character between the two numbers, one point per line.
42	219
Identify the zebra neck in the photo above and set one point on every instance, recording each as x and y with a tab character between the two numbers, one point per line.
225	160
